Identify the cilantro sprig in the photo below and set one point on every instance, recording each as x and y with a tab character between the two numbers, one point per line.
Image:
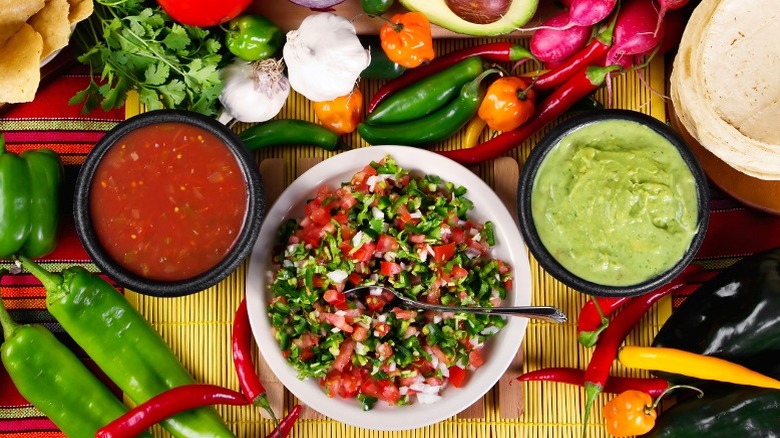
135	45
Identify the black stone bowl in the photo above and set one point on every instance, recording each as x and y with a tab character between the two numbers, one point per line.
238	252
528	228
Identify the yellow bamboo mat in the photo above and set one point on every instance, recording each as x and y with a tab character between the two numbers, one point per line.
198	327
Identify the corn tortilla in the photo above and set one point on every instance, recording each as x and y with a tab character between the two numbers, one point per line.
14	14
80	10
20	66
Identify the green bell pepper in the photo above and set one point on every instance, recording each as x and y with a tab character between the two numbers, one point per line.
123	344
253	38
50	376
29	201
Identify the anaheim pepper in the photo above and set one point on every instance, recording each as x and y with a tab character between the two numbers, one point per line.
29	196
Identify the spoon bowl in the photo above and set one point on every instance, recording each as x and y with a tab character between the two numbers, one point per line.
545	313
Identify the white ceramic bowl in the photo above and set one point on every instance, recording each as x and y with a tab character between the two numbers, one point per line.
499	351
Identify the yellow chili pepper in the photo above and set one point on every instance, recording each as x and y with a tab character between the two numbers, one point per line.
684	363
407	39
508	103
341	115
473	133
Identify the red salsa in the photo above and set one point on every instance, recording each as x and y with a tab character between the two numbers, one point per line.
168	201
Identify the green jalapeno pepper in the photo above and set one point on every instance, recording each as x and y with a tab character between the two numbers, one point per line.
432	128
426	95
380	67
281	132
252	37
29	196
123	344
50	376
376	7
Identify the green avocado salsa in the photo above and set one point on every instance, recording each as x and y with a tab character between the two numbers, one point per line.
615	203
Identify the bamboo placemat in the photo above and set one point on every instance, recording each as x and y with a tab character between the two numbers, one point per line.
198	327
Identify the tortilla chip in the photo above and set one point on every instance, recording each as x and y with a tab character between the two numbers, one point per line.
14	14
20	66
80	10
53	24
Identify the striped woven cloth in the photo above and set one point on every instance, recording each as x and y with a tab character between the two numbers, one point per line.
48	122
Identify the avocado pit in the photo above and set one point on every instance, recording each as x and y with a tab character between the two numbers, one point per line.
479	11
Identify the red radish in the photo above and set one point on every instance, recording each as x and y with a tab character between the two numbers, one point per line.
672	29
553	42
590	12
666	6
634	32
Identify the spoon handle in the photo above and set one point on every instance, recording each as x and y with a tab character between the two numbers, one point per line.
546	313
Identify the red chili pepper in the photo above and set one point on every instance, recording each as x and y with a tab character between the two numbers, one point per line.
615	385
593	315
285	426
168	404
597	373
593	318
248	379
578	86
592	54
500	52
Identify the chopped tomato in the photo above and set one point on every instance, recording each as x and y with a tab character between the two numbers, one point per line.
458	272
457	376
365	252
389	269
345	355
386	243
375	303
404	313
331	383
442	253
390	392
360	333
334	297
381	329
476	359
317	213
337	321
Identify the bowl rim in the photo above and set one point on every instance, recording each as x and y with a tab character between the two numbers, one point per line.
528	227
241	248
382	417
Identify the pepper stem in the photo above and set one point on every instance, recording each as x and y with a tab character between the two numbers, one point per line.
670	389
473	86
8	324
261	401
49	280
2	143
592	390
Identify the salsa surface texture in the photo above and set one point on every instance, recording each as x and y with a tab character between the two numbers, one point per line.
168	201
615	203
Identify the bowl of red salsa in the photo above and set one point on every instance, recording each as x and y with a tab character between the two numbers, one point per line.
168	203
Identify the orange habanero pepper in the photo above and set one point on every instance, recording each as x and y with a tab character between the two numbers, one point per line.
407	39
342	114
508	103
634	412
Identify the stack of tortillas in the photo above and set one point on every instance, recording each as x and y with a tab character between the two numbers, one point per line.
31	30
724	84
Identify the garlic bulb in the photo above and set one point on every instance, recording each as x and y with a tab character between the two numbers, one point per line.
324	57
253	91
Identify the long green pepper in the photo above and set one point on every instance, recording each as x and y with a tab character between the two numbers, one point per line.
123	344
50	376
435	127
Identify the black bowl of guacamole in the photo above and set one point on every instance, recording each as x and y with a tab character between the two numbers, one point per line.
613	203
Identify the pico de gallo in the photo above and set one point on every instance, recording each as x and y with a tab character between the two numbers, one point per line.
386	227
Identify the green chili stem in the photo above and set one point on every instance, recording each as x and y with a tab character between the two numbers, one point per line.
8	324
50	281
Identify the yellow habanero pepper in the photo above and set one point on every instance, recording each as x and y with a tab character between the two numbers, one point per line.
508	103
343	114
407	39
699	366
473	133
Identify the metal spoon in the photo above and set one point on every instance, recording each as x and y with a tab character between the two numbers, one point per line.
546	313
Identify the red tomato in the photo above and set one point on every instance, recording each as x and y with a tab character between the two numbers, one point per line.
390	392
457	376
388	269
386	243
444	252
334	297
459	272
365	252
360	334
345	355
476	359
331	383
203	13
375	303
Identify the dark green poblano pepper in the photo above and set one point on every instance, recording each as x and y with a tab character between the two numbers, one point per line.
253	38
50	376
123	344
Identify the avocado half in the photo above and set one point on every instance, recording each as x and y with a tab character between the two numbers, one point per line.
437	11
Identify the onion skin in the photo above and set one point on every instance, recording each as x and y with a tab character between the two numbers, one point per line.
479	11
